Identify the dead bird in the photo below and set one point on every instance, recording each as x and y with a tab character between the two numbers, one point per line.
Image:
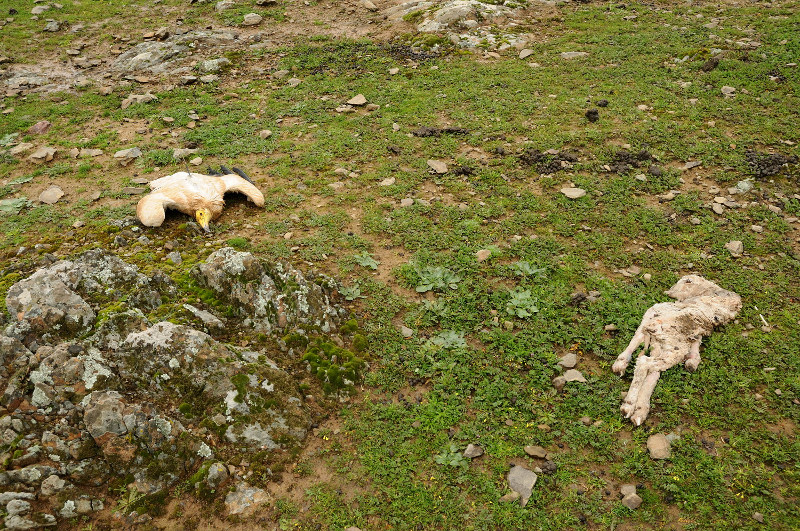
195	194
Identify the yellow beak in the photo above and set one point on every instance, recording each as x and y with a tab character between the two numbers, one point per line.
203	218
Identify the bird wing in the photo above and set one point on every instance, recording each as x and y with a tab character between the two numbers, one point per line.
235	183
151	209
179	178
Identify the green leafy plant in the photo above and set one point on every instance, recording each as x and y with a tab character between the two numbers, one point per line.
365	260
449	339
13	206
452	457
524	269
521	304
436	278
351	293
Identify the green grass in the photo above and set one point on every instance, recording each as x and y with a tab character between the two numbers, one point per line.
479	366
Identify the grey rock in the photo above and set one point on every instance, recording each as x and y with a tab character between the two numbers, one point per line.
52	485
758	517
47	303
6	497
211	321
473	451
214	65
15	507
18	522
51	195
244	498
569	360
224	5
573	55
632	501
270	295
133	99
126	156
160	57
175	257
522	480
573	193
252	19
52	26
103	414
437	166
536	451
217	474
43	154
406	331
659	446
627	489
574	375
735	247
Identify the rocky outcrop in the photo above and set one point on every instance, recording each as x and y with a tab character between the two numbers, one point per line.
161	56
93	390
55	301
270	296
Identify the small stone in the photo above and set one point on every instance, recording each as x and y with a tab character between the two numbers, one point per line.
483	254
573	193
437	166
182	153
718	209
43	154
758	517
627	489
692	164
659	446
522	480
510	497
728	91
536	451
242	500
20	148
126	156
695	220
369	5
389	181
197	161
88	152
264	134
252	19
293	82
15	507
217	474
406	202
756	228
52	26
573	55
210	78
632	501
586	421
524	54
473	451
394	71
223	5
357	100
406	332
175	258
559	382
735	247
39	127
51	195
574	375
569	360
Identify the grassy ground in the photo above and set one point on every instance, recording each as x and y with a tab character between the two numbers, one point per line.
475	371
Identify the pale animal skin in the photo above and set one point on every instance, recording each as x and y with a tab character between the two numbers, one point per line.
673	332
195	194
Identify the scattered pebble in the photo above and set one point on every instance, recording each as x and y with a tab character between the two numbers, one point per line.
735	247
483	254
659	446
51	195
473	451
573	193
521	480
437	166
536	451
357	100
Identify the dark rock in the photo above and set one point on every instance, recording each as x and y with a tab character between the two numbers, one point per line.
592	115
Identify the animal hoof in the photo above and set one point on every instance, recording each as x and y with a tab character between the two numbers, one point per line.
691	365
619	367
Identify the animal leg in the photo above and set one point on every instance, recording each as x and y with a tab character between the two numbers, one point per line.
642	407
693	358
625	358
639	374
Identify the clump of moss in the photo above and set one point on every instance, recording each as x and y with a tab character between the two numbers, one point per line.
336	367
240	382
186	410
239	243
349	327
295	340
359	343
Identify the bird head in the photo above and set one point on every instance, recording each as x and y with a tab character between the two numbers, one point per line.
203	218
